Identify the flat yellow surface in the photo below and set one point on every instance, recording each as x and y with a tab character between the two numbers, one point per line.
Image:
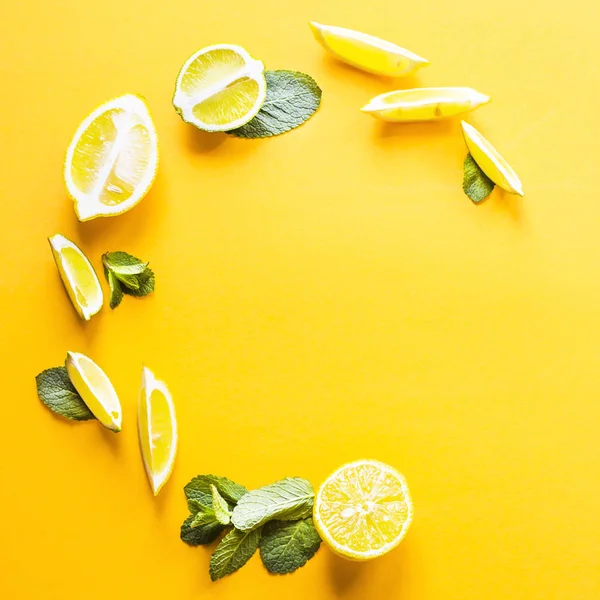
323	296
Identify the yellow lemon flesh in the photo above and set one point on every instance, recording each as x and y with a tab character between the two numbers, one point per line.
490	161
112	160
220	88
78	276
363	510
367	52
157	428
95	388
424	104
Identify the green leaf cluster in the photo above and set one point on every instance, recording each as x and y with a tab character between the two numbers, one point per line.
275	519
126	274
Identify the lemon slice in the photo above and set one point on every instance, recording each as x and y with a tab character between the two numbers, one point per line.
490	161
95	388
112	160
157	428
220	88
424	104
363	510
78	276
367	52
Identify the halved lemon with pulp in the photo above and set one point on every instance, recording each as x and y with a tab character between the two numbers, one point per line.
78	276
424	104
96	389
367	52
112	160
157	428
490	161
363	510
220	88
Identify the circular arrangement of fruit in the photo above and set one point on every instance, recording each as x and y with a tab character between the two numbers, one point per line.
363	510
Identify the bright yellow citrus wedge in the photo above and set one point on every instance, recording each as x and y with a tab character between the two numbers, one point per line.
78	276
490	161
367	52
112	160
157	428
93	385
424	104
220	88
363	510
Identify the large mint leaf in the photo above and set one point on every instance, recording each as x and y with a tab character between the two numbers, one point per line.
476	184
292	98
233	552
199	489
58	393
200	534
286	500
286	546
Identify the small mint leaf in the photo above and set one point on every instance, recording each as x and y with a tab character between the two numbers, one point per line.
58	393
233	552
199	489
205	516
220	508
476	184
292	98
116	291
146	284
201	535
121	263
287	546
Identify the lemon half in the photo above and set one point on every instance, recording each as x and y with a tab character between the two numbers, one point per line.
112	159
363	510
157	428
220	88
78	276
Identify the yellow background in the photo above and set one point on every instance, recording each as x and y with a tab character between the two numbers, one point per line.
323	296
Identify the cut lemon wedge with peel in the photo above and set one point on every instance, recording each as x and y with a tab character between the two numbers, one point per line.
424	104
93	385
220	88
367	52
78	276
363	510
112	159
157	428
490	161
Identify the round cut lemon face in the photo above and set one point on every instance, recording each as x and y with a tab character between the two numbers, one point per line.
363	510
220	88
112	160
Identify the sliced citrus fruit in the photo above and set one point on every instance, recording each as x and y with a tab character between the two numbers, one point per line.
78	276
424	104
367	52
112	159
93	385
363	510
157	428
220	88
490	161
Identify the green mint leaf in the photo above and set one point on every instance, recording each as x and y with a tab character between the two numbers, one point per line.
121	263
234	551
116	291
146	284
476	184
206	516
285	500
129	281
292	98
220	507
199	489
58	393
286	546
200	535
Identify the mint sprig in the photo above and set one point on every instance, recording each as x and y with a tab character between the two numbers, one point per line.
56	391
126	274
476	184
275	517
292	98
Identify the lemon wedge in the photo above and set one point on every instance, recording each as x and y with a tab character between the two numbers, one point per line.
157	428
363	510
424	104
78	276
367	52
220	88
490	161
112	159
95	388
